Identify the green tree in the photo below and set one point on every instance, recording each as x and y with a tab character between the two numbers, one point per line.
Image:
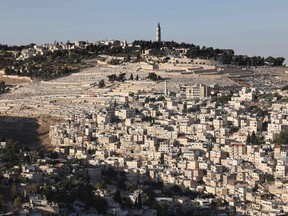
130	188
101	84
282	138
127	202
275	61
248	140
223	99
17	202
121	77
153	76
260	112
2	86
137	77
160	98
162	158
127	58
117	196
54	155
131	77
112	77
270	178
32	188
47	191
101	205
12	154
14	191
138	57
176	189
138	202
100	185
279	61
2	201
254	139
114	61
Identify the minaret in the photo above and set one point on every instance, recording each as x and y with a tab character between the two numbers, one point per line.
158	33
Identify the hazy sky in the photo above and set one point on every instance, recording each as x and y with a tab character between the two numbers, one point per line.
253	27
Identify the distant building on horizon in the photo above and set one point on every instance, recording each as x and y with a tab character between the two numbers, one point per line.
158	33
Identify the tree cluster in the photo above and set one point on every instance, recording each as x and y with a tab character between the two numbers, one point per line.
225	56
114	61
153	76
5	47
278	61
12	153
282	138
62	62
47	66
252	139
120	78
101	84
147	44
3	87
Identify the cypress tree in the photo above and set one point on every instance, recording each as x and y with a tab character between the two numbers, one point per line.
254	139
248	140
117	196
131	77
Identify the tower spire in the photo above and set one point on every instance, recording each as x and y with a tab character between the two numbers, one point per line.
158	33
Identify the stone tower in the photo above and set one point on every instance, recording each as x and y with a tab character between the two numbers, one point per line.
158	33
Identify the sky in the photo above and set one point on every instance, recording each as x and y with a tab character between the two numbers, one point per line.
252	27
